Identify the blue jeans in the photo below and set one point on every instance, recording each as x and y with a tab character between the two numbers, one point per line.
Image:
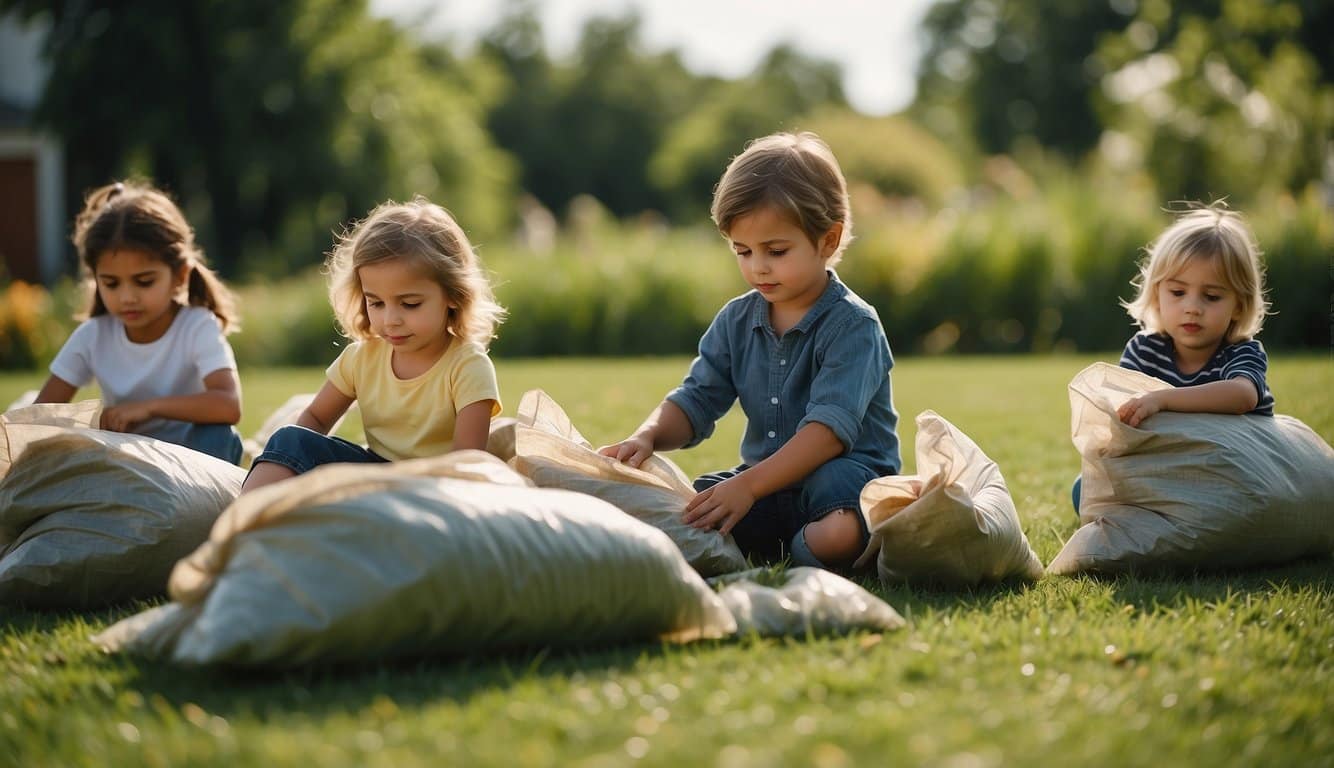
301	450
220	441
773	527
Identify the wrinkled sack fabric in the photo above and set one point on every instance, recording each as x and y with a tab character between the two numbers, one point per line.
431	556
953	523
88	517
28	424
810	601
1192	490
543	446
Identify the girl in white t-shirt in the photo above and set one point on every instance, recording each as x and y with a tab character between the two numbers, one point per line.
153	339
407	287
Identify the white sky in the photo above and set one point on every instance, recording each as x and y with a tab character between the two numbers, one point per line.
875	41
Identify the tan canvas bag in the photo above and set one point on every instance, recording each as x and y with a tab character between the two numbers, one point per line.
451	554
952	523
1191	490
549	451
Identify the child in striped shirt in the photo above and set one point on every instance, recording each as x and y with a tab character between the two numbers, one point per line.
1201	301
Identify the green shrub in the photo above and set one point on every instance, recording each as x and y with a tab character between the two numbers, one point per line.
287	322
34	322
1021	264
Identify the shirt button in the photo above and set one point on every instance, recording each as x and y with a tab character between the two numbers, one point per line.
772	433
782	362
773	400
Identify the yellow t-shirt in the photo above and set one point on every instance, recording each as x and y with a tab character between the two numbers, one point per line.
413	418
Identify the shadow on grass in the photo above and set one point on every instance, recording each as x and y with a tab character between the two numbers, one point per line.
1174	590
939	597
326	688
1145	591
319	690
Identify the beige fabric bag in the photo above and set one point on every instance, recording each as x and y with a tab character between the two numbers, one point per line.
443	555
549	451
1191	490
810	601
952	523
28	424
89	517
28	397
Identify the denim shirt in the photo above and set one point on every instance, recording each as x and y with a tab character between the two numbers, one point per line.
831	368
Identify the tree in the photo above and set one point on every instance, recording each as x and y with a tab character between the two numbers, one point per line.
272	122
1221	98
784	87
996	71
590	125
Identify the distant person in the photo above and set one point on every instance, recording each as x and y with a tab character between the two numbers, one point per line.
155	335
1201	301
407	287
807	358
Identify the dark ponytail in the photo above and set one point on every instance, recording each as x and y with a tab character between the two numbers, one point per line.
141	217
207	290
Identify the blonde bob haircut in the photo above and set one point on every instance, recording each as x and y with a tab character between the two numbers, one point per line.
426	235
796	174
1209	232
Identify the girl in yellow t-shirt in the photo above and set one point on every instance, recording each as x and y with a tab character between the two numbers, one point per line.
407	287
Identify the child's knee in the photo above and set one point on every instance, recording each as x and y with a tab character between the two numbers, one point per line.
264	473
835	539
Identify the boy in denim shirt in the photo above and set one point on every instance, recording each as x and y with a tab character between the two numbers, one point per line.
807	358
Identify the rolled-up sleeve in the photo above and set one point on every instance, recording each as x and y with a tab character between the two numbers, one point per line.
854	366
1250	362
708	391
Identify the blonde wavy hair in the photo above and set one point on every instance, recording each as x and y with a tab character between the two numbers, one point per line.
1209	232
425	234
797	174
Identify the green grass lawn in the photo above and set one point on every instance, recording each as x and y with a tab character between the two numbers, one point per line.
1216	669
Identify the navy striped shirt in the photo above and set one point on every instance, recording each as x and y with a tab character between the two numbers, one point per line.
1152	353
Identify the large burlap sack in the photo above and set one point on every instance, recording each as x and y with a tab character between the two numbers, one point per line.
953	523
1191	490
89	517
431	556
807	601
548	450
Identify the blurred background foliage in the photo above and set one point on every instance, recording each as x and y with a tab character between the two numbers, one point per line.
1003	211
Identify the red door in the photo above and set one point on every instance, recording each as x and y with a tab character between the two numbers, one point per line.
18	219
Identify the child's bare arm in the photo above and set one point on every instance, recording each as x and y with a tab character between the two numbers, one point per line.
1231	396
723	505
56	390
325	410
219	403
472	426
666	429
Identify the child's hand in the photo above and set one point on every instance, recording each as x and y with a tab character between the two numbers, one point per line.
122	418
721	506
1140	408
633	450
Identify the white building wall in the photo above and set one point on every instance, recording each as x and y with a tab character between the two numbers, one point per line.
23	72
23	75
